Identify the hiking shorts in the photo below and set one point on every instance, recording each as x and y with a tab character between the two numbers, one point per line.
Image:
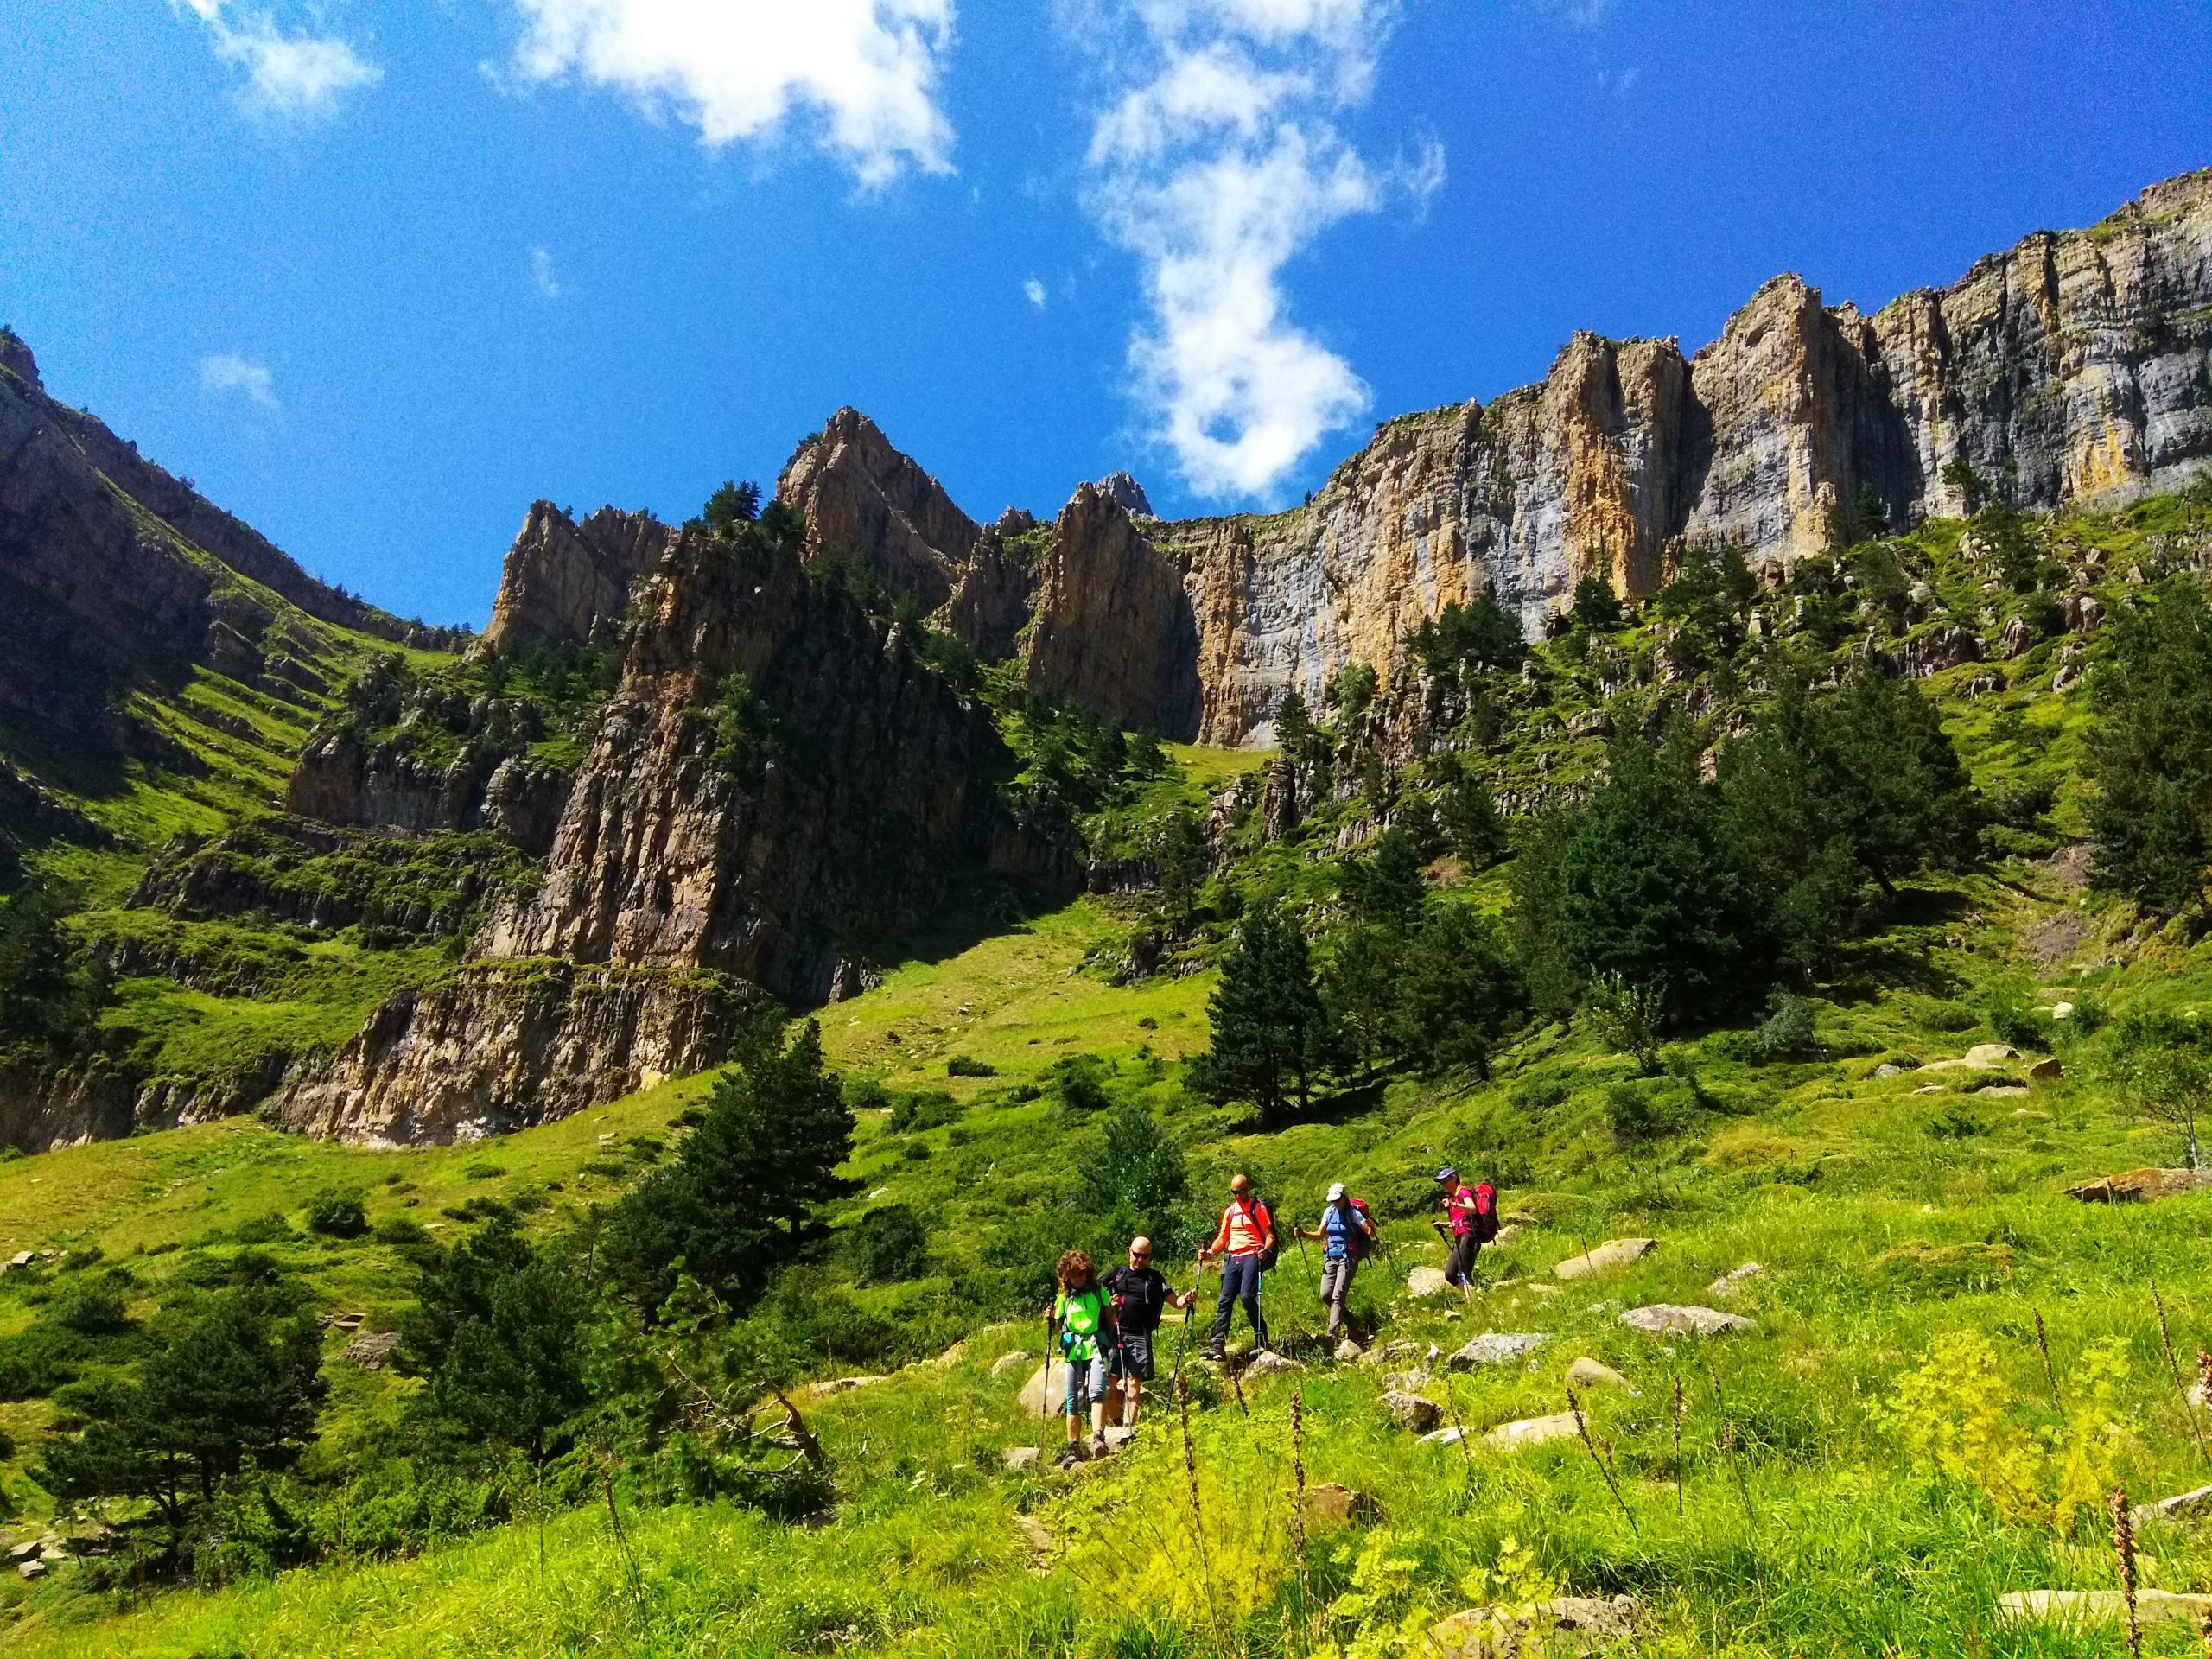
1460	1270
1132	1356
1086	1382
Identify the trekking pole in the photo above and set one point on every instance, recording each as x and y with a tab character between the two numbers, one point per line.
1189	1311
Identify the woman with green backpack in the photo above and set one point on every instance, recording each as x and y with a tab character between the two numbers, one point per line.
1080	1317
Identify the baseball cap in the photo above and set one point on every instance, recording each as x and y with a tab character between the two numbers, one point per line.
1447	1173
1336	1191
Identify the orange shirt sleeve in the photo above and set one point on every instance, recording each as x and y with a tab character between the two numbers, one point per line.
1221	1239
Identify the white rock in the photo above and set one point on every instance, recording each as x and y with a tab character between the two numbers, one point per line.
1426	1281
1496	1348
1533	1431
1667	1319
2062	1011
1613	1253
1588	1373
2184	1506
1045	1392
1440	1436
2080	1607
1022	1456
1014	1361
1412	1411
1268	1363
1348	1350
1987	1056
1728	1282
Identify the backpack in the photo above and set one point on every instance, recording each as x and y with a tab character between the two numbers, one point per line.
1485	1212
1356	1243
1267	1257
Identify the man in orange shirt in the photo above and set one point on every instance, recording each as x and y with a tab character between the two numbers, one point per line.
1247	1237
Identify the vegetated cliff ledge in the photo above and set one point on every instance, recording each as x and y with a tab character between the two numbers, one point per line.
2073	367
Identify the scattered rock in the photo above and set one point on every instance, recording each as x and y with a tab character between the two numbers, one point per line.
1348	1352
1412	1411
2044	1071
1568	1624
1440	1436
950	1358
2061	1011
1885	1069
1014	1361
2185	1506
25	1552
371	1352
1727	1283
1664	1318
2140	1185
1930	1089
1984	1056
837	1385
2098	1607
1426	1281
1496	1348
1117	1437
1330	1506
1506	1234
1268	1363
1038	1541
1588	1373
2003	1091
31	1570
1533	1431
1022	1456
1384	1353
1613	1253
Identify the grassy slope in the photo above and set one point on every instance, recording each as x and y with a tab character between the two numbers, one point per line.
1884	1216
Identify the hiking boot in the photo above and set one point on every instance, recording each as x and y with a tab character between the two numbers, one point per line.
1072	1456
1214	1351
1098	1446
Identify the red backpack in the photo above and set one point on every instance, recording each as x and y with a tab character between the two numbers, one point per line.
1485	1212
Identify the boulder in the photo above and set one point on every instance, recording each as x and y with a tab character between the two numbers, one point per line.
1385	1353
32	1571
1533	1431
2045	1070
2079	1607
1613	1253
1588	1373
1330	1506
1045	1392
1412	1411
1117	1437
1348	1350
371	1352
1442	1437
950	1358
1268	1363
2184	1506
1496	1348
1987	1057
1885	1069
1727	1283
1664	1318
1506	1234
2140	1185
1426	1281
1022	1456
1014	1361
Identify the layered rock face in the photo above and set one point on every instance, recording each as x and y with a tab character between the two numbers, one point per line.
500	1046
777	781
2074	366
107	582
563	579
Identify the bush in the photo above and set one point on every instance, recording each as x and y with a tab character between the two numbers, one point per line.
1079	1084
1639	1112
264	1230
891	1244
2016	1023
337	1215
483	1170
960	1065
1938	1015
401	1232
91	1307
928	1109
1787	1031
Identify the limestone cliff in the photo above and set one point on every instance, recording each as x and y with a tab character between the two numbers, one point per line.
778	782
500	1046
856	493
564	578
2073	367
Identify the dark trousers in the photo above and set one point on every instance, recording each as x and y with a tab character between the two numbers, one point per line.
1240	1282
1336	1286
1460	1270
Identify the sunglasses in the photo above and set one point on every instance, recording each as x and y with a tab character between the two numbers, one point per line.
1140	1255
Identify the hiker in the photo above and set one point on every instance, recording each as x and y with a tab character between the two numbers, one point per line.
1140	1294
1348	1233
1082	1315
1247	1243
1470	1222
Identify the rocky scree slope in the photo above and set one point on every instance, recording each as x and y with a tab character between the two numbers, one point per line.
2072	368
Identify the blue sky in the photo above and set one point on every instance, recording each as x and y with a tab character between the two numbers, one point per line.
376	273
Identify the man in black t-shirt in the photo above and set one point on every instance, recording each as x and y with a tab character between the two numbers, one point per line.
1139	1295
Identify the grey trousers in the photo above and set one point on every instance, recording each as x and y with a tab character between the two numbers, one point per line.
1335	1288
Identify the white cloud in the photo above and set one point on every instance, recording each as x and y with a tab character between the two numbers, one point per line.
225	371
290	74
1216	163
866	70
541	272
1034	291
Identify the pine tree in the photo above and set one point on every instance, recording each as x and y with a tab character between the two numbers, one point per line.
1385	889
1470	820
734	1203
1270	1031
1459	990
1360	989
2152	758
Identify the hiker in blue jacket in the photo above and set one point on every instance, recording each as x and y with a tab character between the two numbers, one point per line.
1347	1233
